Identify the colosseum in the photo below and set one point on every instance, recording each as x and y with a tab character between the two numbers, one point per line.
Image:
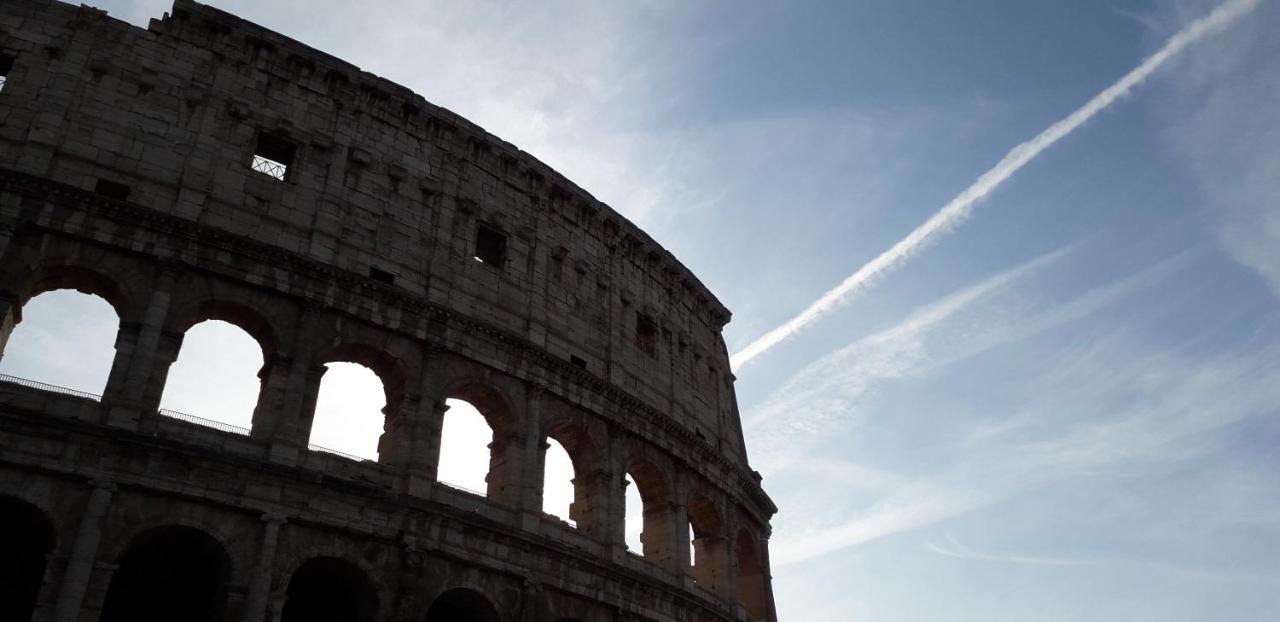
208	168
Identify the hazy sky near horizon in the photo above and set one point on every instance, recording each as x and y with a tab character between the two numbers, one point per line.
1065	409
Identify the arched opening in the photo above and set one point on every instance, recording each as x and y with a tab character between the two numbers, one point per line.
751	590
465	441
462	605
216	376
707	544
656	522
327	589
26	540
64	338
633	516
557	482
169	573
349	414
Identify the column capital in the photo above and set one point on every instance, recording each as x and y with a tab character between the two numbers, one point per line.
103	484
274	518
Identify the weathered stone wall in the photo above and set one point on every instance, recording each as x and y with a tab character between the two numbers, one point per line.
364	252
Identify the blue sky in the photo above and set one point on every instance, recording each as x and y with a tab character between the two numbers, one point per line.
1063	409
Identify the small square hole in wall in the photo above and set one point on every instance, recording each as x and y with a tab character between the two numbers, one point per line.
646	334
491	245
577	361
273	155
6	65
112	190
381	276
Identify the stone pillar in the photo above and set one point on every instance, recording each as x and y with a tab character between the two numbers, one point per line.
395	446
766	576
710	571
142	361
680	523
294	398
516	461
75	580
10	316
613	528
592	492
426	430
267	413
255	608
728	562
426	425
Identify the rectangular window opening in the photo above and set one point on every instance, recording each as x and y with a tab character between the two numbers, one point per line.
381	276
578	361
6	65
491	245
112	190
273	155
646	334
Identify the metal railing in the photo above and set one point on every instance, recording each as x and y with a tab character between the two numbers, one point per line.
461	488
208	423
335	452
172	414
52	388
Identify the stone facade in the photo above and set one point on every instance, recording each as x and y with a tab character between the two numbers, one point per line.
208	168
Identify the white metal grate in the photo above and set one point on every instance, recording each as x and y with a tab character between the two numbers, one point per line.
270	167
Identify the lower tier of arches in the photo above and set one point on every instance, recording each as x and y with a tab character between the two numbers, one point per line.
114	526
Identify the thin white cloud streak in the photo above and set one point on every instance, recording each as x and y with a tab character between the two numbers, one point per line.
840	376
960	551
956	211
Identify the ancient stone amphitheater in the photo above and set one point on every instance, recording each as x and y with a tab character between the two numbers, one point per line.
208	168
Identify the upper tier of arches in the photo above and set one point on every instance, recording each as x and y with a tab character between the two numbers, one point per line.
160	302
417	200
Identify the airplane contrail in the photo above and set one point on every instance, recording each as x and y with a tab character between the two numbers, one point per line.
958	209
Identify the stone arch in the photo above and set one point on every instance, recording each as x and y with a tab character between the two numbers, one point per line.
502	480
365	438
462	604
53	276
330	589
97	350
168	573
752	588
308	546
38	262
707	530
386	367
651	472
492	402
251	324
27	538
126	523
590	480
225	309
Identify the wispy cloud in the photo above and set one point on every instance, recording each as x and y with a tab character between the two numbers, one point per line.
1099	409
956	211
1223	119
839	378
957	550
811	402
